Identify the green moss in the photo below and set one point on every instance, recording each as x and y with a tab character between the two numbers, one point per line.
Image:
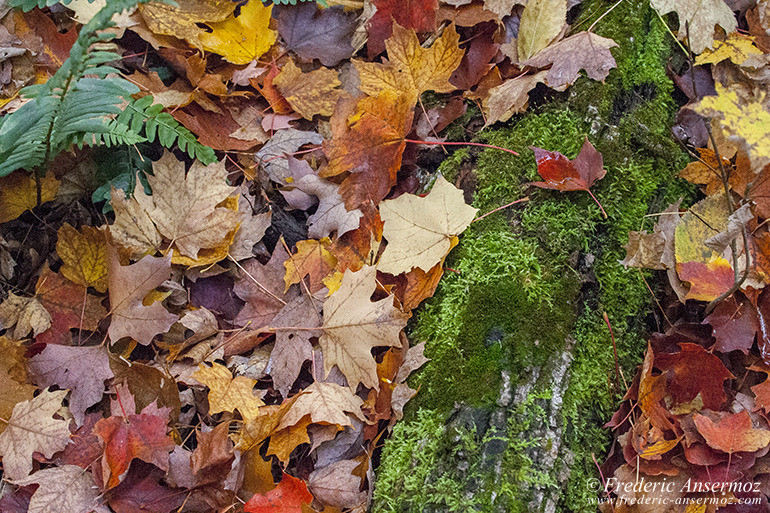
529	276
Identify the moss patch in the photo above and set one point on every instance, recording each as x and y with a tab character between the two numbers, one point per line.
530	276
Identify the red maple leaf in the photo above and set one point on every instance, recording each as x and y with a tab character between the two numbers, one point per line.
419	15
693	370
288	497
562	174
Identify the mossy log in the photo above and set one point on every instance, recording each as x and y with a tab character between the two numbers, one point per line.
510	410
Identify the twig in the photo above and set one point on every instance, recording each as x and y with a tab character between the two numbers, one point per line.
500	208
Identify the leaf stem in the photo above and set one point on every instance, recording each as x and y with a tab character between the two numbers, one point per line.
597	202
439	143
500	208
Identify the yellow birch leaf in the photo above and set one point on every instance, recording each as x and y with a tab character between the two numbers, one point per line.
736	48
182	20
412	69
420	231
84	254
228	393
541	22
746	120
309	93
242	39
18	193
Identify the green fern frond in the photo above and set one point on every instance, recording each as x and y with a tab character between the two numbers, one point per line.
28	5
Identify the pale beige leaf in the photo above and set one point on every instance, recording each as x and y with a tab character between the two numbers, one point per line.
502	7
292	346
184	206
133	229
128	287
250	231
421	231
66	488
327	403
510	97
336	485
353	325
541	22
700	16
32	428
26	313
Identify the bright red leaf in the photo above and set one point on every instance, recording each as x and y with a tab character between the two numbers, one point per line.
419	15
288	497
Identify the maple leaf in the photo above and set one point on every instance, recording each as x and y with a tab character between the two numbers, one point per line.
584	50
579	174
213	452
143	490
330	214
66	488
133	230
737	48
30	429
288	141
735	323
744	119
84	254
541	22
732	433
412	69
18	193
700	16
323	402
244	38
141	436
652	389
310	93
353	325
292	347
419	15
26	314
56	294
503	101
313	33
421	231
708	281
184	206
128	287
228	393
694	371
262	288
337	485
83	370
313	260
288	497
182	18
369	144
13	378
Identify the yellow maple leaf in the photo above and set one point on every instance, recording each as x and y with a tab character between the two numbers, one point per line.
244	38
421	231
84	254
312	259
309	93
736	48
746	120
181	20
228	393
18	193
412	69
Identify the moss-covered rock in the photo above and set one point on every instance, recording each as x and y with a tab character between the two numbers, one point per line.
509	411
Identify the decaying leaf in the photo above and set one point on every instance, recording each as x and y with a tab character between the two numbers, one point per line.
700	17
24	315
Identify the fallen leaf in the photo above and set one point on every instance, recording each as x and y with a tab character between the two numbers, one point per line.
262	288
140	436
584	50
700	17
228	392
184	205
31	429
421	231
128	286
735	324
288	497
84	254
707	281
327	403
541	22
143	490
313	260
18	193
331	214
652	390
181	19
313	33
284	441
13	378
511	97
412	69
737	48
337	486
561	174
369	144
694	371
244	38
82	370
419	15
213	452
732	433
310	93
26	314
58	296
353	326
271	155
744	120
66	488
133	230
